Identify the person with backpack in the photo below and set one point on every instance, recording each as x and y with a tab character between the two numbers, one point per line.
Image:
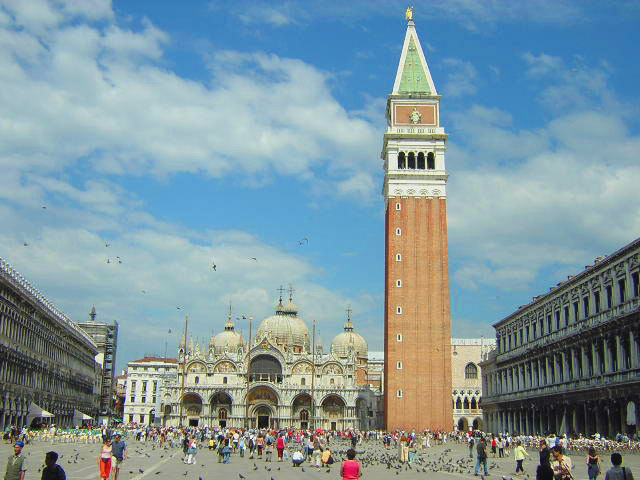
481	452
617	471
471	443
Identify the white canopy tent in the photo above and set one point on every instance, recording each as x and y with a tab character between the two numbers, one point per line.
36	411
79	417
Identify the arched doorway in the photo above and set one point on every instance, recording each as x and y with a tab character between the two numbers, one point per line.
191	409
152	416
300	409
262	403
333	408
221	401
265	368
477	423
463	424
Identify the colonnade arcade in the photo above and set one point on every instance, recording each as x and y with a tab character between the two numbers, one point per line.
262	407
605	416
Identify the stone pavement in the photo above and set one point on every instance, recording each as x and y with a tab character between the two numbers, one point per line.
146	461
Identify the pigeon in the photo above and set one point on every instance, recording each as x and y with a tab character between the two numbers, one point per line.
140	470
25	244
44	207
241	476
302	469
253	258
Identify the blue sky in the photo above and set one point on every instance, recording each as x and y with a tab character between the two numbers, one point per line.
186	133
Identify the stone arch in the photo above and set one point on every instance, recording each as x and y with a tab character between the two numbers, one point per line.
411	161
302	367
332	368
301	403
262	395
421	161
196	366
463	424
431	161
265	368
477	424
402	162
221	398
474	403
192	408
458	403
465	403
224	366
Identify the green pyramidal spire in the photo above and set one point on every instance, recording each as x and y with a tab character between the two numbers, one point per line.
413	76
414	79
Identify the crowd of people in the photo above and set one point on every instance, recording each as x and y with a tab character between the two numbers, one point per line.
315	447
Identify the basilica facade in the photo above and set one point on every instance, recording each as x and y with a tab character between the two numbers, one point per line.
280	378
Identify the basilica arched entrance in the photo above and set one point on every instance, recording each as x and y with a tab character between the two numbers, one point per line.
333	408
220	405
262	406
191	409
265	368
300	411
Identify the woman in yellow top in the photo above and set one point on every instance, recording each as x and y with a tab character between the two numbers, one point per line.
520	453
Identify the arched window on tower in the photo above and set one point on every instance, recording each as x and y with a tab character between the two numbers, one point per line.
465	404
474	405
431	161
421	161
303	381
401	161
458	403
471	371
411	161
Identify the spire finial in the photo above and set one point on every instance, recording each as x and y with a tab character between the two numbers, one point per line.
281	290
409	14
291	290
92	314
348	326
229	314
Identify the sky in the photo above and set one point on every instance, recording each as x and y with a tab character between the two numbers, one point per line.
163	137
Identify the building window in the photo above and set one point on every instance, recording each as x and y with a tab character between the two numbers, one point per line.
155	399
549	327
535	333
471	371
143	400
141	418
609	290
144	386
399	393
398	283
541	327
399	310
431	161
635	280
196	380
401	161
130	418
557	315
222	414
332	382
566	316
585	306
399	337
622	287
399	365
398	206
303	381
398	232
224	380
596	301
133	399
576	312
411	161
420	161
398	257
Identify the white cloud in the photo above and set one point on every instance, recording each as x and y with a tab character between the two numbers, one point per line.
542	64
101	95
461	79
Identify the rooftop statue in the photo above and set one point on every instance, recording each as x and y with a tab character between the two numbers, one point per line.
409	14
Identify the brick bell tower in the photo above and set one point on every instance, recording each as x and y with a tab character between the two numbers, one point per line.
417	322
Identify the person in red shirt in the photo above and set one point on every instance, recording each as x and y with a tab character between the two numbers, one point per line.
280	446
350	469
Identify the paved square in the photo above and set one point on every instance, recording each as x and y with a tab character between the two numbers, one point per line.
147	460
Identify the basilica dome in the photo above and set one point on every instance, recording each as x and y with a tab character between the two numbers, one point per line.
286	328
348	341
229	340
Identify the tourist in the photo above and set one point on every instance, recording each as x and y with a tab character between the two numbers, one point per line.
519	455
297	458
280	446
544	472
471	442
192	450
593	464
350	469
494	445
545	453
16	464
104	460
327	457
561	464
481	451
242	445
617	471
226	451
52	471
260	445
119	451
500	444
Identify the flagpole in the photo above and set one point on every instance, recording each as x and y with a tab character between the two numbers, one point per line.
184	364
313	376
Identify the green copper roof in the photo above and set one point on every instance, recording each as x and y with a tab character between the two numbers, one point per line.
414	79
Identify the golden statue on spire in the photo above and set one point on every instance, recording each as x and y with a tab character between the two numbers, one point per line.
409	14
